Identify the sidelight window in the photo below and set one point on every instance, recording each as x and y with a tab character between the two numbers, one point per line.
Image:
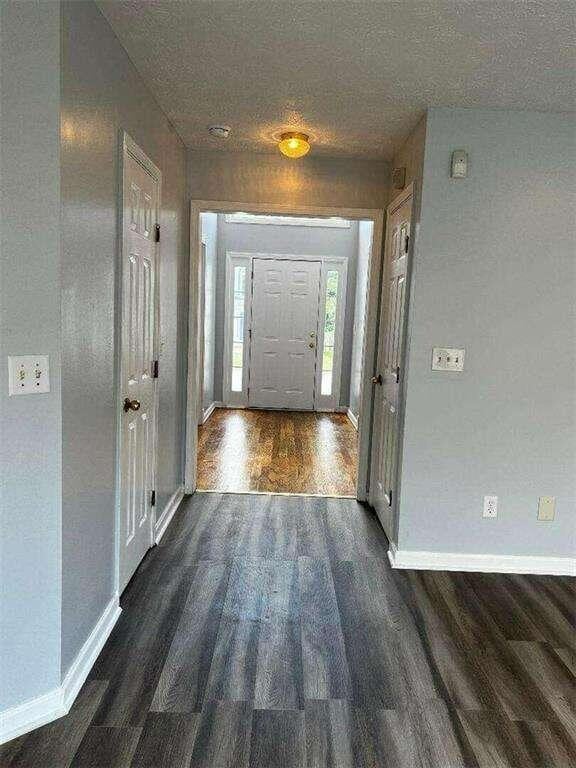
329	335
239	302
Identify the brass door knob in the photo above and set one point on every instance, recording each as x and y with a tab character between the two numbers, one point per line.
131	405
377	379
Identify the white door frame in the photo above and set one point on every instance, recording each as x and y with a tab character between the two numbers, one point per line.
129	147
376	215
246	258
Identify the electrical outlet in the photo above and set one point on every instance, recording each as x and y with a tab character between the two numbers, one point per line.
490	506
546	508
28	375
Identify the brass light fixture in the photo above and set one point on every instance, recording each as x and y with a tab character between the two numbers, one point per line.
294	144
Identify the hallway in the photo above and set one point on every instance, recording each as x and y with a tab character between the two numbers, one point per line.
269	451
270	631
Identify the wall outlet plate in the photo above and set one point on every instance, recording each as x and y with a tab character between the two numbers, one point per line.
28	375
490	506
447	359
546	508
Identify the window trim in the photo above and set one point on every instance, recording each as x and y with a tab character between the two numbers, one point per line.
330	264
230	398
333	222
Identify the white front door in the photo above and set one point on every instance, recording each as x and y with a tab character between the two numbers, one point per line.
285	302
389	371
138	385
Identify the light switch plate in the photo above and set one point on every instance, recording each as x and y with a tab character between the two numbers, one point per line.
447	359
28	375
546	508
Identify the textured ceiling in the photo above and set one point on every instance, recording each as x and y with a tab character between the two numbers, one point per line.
355	75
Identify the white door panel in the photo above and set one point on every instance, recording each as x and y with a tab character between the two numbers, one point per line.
138	387
385	446
285	296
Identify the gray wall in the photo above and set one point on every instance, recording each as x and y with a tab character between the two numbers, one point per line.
102	94
365	230
312	180
269	238
30	426
494	273
209	228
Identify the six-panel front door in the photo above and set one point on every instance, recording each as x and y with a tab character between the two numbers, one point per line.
285	299
389	372
138	385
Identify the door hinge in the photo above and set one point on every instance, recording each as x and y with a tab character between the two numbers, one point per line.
406	243
390	497
155	369
157	233
397	374
153	499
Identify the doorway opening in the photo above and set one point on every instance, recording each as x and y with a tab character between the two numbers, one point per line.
281	352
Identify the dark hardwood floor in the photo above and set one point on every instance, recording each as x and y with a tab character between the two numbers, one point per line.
271	631
278	452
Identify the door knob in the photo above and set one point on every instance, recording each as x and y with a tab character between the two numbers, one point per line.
131	405
377	379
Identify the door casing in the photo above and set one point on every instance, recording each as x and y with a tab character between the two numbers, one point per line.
127	146
371	320
237	258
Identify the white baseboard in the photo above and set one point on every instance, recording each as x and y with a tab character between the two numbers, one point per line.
31	714
207	412
88	654
452	561
56	703
352	418
168	513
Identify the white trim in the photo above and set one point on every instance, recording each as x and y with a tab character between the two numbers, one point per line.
168	513
456	561
338	264
246	258
376	215
207	412
88	654
56	703
30	715
233	260
292	221
352	418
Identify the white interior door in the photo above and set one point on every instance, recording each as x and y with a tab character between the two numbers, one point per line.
138	385
389	372
285	302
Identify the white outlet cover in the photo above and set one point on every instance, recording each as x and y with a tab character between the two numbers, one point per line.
28	375
448	359
490	506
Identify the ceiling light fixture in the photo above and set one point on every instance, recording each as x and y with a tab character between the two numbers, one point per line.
219	131
294	144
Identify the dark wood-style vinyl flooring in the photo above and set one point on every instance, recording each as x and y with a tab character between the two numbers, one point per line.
278	452
270	631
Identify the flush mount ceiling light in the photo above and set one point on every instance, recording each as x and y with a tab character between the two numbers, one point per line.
294	144
219	131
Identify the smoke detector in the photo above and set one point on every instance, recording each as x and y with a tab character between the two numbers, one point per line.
219	131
